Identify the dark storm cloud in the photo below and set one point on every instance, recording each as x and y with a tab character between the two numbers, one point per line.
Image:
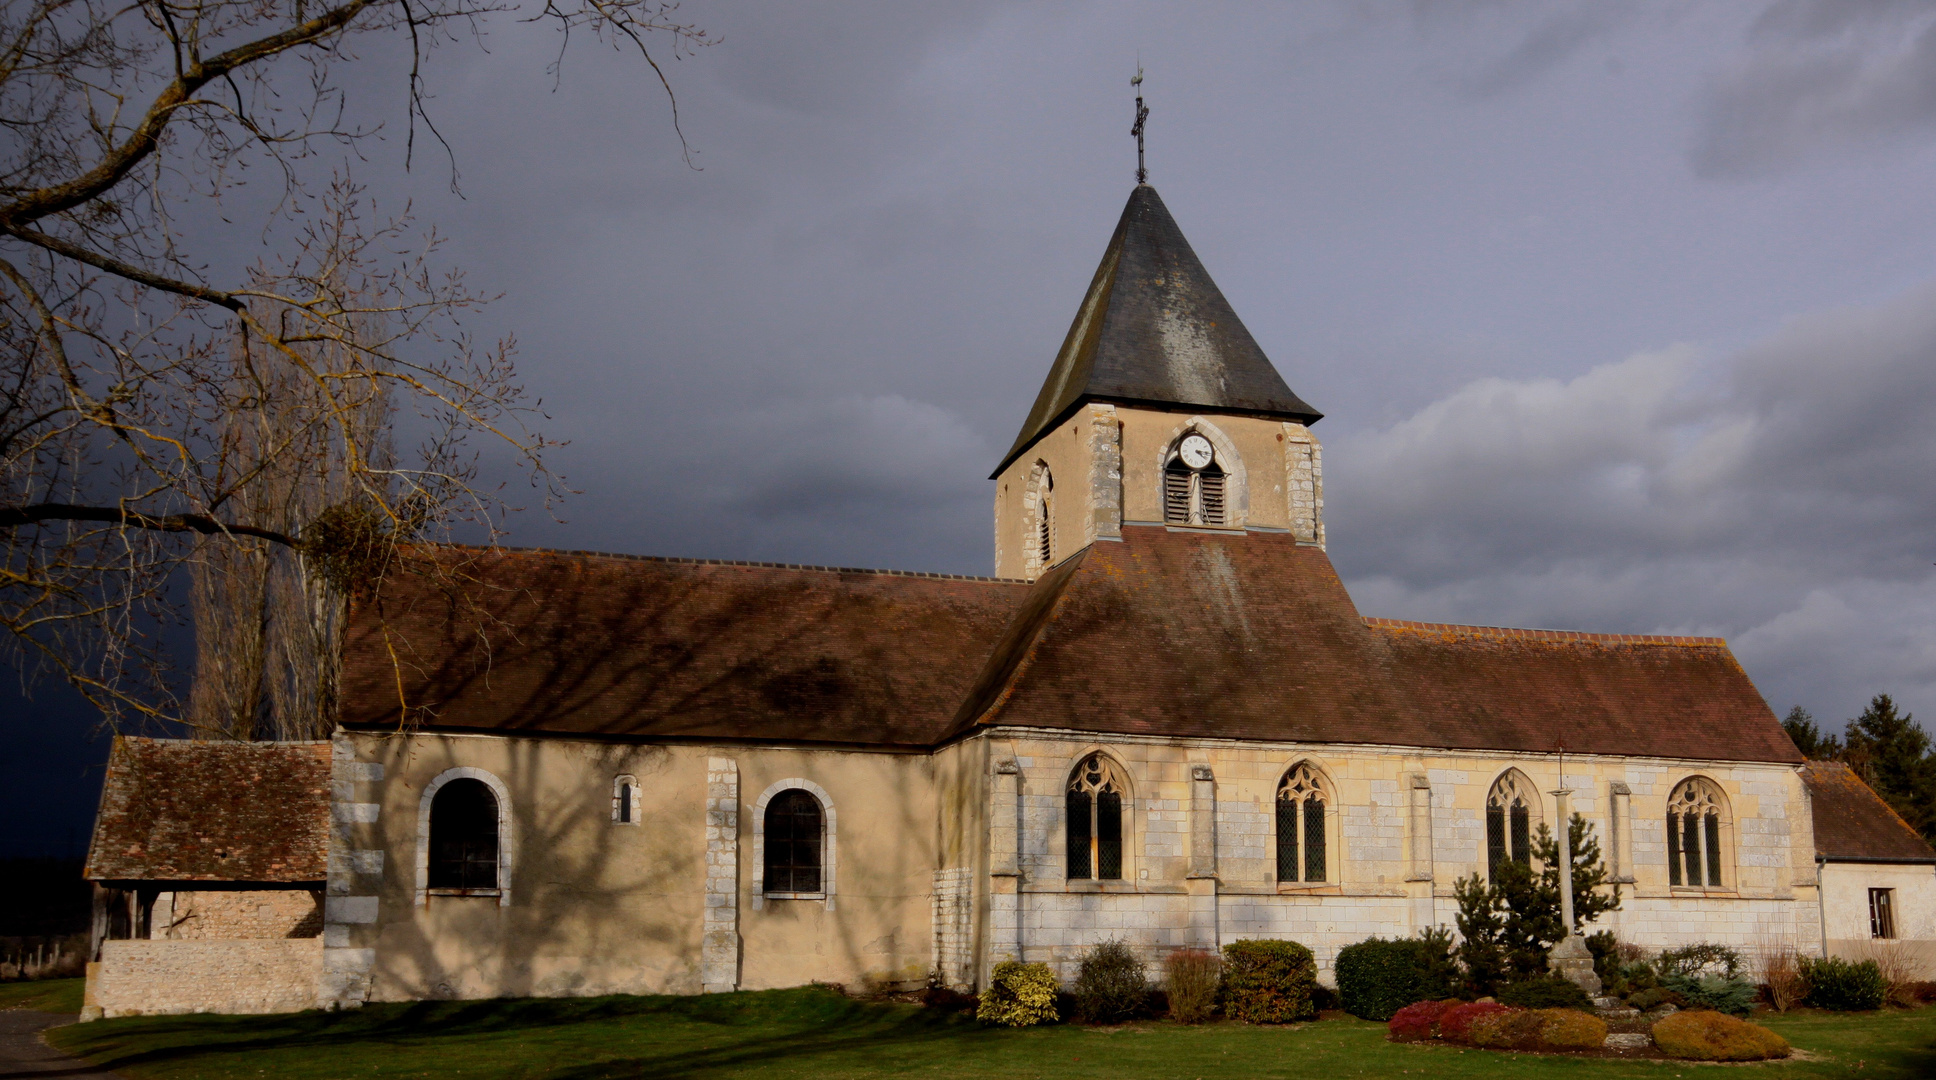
1819	78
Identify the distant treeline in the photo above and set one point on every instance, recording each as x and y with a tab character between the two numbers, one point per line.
1886	749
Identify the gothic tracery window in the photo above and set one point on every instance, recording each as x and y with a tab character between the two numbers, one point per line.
1696	813
1194	484
1095	820
1301	801
1510	807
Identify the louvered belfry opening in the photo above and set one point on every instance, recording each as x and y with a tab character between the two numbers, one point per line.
1094	822
1694	819
1194	495
1509	822
792	835
1044	520
1301	844
463	836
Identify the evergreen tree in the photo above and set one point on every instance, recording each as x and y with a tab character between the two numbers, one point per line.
1892	753
1511	922
1809	739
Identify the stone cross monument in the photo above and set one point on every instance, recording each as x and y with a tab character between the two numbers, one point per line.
1570	958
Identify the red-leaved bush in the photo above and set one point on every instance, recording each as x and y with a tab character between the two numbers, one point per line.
1456	1024
1418	1021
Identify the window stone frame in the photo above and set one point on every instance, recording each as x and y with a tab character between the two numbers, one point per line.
828	844
506	837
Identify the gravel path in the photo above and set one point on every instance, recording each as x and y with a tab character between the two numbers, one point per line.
23	1056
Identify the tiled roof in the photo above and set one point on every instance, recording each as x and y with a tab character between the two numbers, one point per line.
1853	823
631	648
180	810
1253	637
1155	329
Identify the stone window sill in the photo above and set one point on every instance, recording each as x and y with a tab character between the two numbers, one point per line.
1700	890
493	893
795	895
1100	886
1309	888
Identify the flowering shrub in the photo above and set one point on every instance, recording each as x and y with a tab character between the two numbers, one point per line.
1418	1021
1018	995
1455	1025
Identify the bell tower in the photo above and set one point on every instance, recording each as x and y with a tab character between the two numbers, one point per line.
1159	411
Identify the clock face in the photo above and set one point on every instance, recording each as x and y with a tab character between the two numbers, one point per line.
1195	452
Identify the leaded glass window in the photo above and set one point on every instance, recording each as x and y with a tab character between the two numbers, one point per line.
1509	821
1696	813
463	836
1095	820
1301	800
792	834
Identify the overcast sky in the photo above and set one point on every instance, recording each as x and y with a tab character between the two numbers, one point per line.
1622	316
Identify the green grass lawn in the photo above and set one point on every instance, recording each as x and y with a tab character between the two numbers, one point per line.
815	1035
47	995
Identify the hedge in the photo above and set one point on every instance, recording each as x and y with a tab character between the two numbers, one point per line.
1019	995
1378	977
1269	982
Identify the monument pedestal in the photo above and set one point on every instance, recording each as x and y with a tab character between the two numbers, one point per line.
1571	960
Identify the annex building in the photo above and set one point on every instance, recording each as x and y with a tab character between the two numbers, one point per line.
1162	720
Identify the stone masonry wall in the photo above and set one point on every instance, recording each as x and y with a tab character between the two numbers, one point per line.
149	978
954	929
237	914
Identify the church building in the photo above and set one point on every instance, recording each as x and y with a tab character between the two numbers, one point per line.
1162	720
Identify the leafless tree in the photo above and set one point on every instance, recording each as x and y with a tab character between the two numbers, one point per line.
155	412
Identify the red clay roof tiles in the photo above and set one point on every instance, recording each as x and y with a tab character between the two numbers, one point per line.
1853	823
181	810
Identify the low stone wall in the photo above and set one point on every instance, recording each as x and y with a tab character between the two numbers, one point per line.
146	978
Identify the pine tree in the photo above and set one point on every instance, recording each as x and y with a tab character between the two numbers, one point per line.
1809	739
1892	754
1511	922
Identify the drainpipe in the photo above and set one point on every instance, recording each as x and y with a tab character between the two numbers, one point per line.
1821	902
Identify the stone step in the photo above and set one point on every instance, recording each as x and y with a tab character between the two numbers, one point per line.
1629	1041
1623	1012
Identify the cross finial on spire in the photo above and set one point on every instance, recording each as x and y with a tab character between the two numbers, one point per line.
1142	114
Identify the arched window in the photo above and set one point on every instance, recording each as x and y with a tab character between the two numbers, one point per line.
625	800
1511	808
1095	820
793	831
1194	484
1301	800
463	837
1696	817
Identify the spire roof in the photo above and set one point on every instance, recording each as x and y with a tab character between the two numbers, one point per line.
1154	329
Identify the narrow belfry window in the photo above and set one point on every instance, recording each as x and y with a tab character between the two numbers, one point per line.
1095	821
1301	794
625	803
793	831
1044	517
625	800
463	836
1695	814
1509	822
1194	489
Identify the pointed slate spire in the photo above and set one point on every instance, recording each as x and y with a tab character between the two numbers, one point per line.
1154	329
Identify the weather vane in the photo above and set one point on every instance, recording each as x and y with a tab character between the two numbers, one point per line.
1142	114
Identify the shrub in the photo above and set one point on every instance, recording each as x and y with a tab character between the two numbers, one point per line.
1710	1036
1902	971
1018	995
1571	1029
1268	982
1781	976
1551	992
1513	1029
1732	995
1659	995
1419	1020
1606	958
1698	960
1834	983
1191	976
1376	977
1110	987
1456	1024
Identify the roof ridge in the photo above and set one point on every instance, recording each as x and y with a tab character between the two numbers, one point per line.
1536	634
685	561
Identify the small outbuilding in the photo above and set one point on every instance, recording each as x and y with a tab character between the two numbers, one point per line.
209	861
1878	876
